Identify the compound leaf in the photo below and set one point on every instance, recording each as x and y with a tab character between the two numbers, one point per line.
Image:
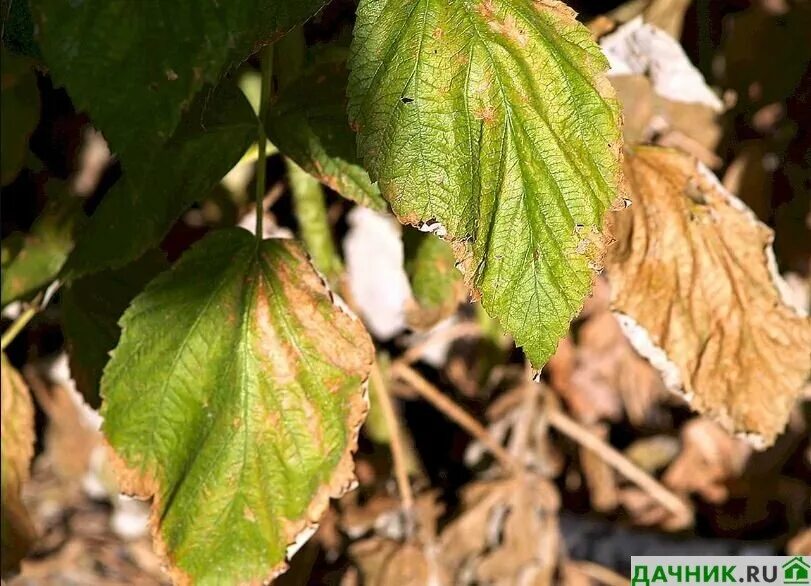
493	117
135	67
234	398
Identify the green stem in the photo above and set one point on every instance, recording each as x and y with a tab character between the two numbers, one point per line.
310	208
19	323
261	162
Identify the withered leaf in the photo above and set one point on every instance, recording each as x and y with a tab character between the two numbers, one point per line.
507	534
693	280
393	555
17	438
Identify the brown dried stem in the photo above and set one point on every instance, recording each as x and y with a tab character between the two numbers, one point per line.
660	493
454	412
398	453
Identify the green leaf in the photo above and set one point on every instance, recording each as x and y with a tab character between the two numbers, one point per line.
32	261
141	207
308	123
136	66
436	284
17	439
234	398
91	307
18	28
493	117
19	101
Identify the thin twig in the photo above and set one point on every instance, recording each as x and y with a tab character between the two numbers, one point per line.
567	426
22	320
454	412
397	446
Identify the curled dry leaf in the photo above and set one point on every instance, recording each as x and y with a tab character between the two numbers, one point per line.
602	375
664	97
394	554
693	280
515	422
709	458
17	438
384	561
234	398
640	48
507	533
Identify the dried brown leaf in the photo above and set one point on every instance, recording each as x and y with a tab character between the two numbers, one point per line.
383	562
396	553
708	460
17	439
693	280
507	534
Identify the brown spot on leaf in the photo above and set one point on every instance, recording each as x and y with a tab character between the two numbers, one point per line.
486	114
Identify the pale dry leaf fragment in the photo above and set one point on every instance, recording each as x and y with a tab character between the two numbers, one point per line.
694	284
708	460
800	544
373	250
17	439
507	533
640	48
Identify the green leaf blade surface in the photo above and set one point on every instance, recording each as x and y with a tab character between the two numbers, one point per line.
135	67
493	118
141	207
32	261
308	123
90	309
235	398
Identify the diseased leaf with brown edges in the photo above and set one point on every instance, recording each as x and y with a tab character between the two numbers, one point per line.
17	438
234	398
692	277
